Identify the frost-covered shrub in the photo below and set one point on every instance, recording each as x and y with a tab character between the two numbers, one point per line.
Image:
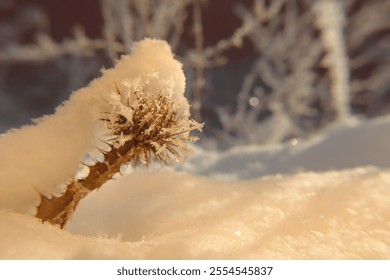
284	95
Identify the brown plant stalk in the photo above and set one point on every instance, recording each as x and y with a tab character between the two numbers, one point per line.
154	131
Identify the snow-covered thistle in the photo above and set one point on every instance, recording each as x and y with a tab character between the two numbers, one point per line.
149	129
144	130
137	108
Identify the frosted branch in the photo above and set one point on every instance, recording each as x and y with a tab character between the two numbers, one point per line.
330	20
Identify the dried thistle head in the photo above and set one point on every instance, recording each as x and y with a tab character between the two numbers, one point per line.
152	124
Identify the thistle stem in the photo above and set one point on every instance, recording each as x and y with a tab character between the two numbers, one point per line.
59	210
152	131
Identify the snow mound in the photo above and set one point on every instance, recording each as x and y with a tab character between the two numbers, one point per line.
171	215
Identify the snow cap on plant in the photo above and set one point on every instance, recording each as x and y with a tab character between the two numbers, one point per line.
151	66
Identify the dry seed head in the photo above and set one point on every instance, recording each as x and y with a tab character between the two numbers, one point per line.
151	125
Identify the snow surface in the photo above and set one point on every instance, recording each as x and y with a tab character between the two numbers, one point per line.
171	214
354	143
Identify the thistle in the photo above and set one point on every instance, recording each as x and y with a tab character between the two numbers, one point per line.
144	128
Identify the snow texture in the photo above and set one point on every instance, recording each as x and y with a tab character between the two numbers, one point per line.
170	215
43	156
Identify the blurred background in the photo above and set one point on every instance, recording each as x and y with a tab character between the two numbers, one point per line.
258	71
